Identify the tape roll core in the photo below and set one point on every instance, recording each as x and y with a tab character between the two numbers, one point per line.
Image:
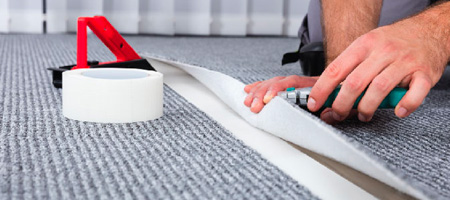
112	95
115	74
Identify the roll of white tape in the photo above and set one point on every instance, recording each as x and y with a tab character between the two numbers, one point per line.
111	95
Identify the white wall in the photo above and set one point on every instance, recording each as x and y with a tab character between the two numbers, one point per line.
123	15
294	12
167	17
4	16
56	16
265	17
79	8
157	17
193	17
25	16
229	17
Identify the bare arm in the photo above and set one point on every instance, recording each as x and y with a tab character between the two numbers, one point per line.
436	22
411	53
344	21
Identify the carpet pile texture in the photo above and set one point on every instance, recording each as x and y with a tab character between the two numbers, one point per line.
182	155
417	148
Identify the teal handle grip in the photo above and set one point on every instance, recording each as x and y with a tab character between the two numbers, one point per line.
390	101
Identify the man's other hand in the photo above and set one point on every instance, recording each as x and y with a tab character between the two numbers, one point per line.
260	93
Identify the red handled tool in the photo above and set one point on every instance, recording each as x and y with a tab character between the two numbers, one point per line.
125	54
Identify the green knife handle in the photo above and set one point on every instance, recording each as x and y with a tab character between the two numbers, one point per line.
390	101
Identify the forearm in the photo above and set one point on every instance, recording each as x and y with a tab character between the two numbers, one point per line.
434	22
344	21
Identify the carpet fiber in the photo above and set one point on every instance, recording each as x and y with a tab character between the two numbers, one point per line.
416	149
183	155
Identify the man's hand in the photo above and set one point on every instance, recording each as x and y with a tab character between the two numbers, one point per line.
261	92
411	53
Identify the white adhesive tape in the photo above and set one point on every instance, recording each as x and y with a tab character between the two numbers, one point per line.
111	95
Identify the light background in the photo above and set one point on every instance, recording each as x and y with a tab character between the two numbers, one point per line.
165	17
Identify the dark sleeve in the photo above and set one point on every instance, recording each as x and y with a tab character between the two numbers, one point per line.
433	1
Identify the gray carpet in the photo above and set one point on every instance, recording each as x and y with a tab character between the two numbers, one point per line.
183	155
416	148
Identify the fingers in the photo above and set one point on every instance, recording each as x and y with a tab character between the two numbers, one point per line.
250	86
254	99
327	116
355	84
276	87
334	74
249	99
261	93
290	81
257	103
379	88
418	89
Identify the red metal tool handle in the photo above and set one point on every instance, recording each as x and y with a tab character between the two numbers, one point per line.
108	35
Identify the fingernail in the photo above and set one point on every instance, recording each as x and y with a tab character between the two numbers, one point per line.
337	117
255	100
362	118
328	117
402	112
247	99
267	98
311	103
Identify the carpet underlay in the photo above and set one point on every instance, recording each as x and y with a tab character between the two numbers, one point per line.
415	150
183	155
